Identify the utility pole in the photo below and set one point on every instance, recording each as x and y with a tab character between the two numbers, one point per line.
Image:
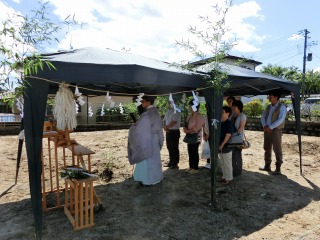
304	63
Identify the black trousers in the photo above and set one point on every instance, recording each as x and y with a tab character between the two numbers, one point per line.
172	140
237	161
193	152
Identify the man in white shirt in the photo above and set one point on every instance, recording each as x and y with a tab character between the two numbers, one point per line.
272	120
171	125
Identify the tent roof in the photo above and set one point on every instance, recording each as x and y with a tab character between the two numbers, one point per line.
104	56
246	82
100	69
118	71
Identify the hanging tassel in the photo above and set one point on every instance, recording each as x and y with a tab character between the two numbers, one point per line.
64	110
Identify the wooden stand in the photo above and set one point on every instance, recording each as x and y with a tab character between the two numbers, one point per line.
50	169
50	172
79	205
79	151
51	166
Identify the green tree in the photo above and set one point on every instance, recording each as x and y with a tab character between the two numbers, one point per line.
254	108
312	79
290	73
312	83
213	45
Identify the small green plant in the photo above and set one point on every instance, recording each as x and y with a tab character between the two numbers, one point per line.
74	174
109	164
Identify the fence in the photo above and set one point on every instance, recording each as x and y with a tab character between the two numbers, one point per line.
9	119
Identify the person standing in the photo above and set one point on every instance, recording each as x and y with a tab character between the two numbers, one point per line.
206	138
272	120
194	125
145	141
171	125
239	119
225	152
230	101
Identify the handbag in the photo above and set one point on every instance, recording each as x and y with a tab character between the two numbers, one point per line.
205	153
191	138
245	143
236	138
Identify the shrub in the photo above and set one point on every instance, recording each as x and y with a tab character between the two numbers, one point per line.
253	108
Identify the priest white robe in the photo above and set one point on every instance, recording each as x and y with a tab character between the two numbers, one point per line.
144	144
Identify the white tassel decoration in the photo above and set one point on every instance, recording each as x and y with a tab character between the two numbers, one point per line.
64	110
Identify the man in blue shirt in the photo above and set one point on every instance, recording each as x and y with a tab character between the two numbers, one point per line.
272	120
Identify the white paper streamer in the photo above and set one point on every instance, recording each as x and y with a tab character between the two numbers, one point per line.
214	122
108	98
170	98
90	113
175	108
139	99
195	96
195	101
121	108
184	98
76	92
80	100
77	108
102	110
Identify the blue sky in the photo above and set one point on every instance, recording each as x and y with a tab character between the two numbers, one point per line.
150	28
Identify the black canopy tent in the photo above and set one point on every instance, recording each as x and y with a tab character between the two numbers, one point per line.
99	70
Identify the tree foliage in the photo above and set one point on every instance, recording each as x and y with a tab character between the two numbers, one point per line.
254	108
22	40
212	46
312	83
312	79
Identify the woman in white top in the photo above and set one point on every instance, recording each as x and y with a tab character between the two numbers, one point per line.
239	119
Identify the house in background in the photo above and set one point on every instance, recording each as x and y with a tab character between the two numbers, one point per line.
233	60
96	103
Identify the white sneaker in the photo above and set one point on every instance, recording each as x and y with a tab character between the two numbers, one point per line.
207	165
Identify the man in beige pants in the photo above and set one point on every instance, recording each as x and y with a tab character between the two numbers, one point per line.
272	120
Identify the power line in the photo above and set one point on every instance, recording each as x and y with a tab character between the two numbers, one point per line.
315	55
279	55
282	51
287	59
274	42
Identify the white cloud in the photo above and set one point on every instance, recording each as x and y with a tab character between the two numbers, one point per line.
5	11
295	37
150	28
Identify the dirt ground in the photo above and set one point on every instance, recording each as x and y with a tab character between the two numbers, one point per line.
256	205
